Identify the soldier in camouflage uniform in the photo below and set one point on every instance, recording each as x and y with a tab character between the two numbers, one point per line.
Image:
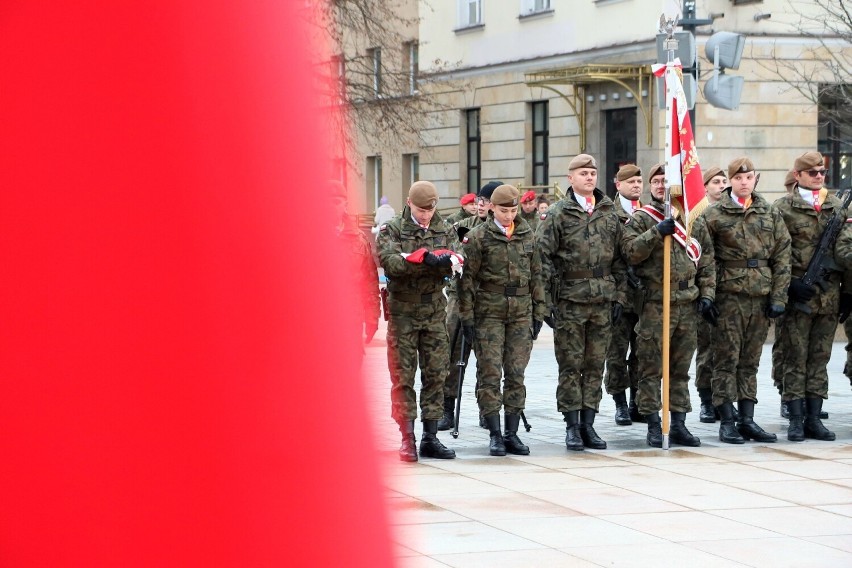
529	209
585	277
690	281
467	209
751	246
621	371
417	328
715	183
502	307
451	383
806	338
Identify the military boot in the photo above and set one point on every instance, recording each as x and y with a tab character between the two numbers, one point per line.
748	428
655	430
796	429
573	441
510	440
496	446
482	423
814	428
785	410
634	408
408	449
707	415
622	412
727	431
678	433
587	430
447	421
431	446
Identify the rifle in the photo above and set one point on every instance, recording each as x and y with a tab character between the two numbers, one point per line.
822	264
461	365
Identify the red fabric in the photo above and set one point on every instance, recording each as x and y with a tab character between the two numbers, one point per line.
467	198
817	204
417	256
528	196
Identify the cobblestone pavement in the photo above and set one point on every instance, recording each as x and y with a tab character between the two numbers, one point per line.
779	504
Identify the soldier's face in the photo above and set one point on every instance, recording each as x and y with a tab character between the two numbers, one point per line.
583	180
658	187
808	181
715	187
631	188
470	208
339	204
528	206
482	207
542	207
504	215
742	184
422	216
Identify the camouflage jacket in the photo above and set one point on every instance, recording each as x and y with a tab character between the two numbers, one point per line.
643	248
362	274
633	294
402	235
459	215
806	226
494	259
532	219
571	240
738	235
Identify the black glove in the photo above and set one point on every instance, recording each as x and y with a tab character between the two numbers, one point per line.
443	260
774	310
551	319
801	292
845	307
536	328
469	333
617	310
708	310
666	226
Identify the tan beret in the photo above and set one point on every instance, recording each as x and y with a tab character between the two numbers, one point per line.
506	196
582	161
628	171
656	169
790	180
807	161
711	173
423	194
740	166
336	189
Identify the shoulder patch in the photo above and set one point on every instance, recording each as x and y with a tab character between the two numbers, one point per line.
384	227
543	216
849	219
464	240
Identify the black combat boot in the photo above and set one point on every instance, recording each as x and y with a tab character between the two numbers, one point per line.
707	415
785	410
510	440
448	420
814	428
587	430
431	446
748	428
655	430
634	408
496	446
796	429
678	433
622	412
573	441
408	449
727	431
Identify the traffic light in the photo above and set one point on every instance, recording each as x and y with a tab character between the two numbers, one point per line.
724	49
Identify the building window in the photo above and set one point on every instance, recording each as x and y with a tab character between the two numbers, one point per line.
410	171
374	180
375	56
470	13
534	6
338	74
473	150
540	136
834	138
412	54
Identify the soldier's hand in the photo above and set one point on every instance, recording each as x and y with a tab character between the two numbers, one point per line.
800	291
666	226
708	311
442	261
617	310
469	332
551	319
536	328
370	330
774	310
845	307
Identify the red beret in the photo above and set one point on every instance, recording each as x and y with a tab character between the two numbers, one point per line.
467	198
528	196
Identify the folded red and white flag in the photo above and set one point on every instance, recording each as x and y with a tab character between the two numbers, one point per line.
418	256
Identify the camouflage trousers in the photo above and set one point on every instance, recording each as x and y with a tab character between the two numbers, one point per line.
683	329
704	355
804	351
451	383
502	351
737	346
420	335
580	341
847	369
621	368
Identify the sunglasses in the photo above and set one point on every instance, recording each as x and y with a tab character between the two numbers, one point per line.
814	173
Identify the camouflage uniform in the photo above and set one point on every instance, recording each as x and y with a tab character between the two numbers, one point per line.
417	326
584	274
752	252
532	218
363	275
643	248
502	318
459	215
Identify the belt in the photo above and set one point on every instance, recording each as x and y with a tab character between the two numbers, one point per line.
681	285
505	290
750	263
597	272
416	298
